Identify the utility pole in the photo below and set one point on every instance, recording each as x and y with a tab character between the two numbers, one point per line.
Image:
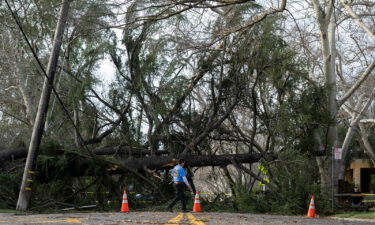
38	128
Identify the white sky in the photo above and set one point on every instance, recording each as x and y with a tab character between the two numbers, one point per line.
106	74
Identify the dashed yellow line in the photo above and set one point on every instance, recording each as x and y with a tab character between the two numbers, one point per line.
194	220
175	220
20	220
59	221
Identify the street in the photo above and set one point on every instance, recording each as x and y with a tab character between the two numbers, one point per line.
167	218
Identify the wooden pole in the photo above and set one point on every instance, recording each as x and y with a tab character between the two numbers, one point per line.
37	133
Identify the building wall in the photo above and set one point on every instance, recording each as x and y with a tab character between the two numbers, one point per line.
356	166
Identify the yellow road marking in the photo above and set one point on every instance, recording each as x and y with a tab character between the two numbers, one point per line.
175	220
194	220
73	221
19	220
58	221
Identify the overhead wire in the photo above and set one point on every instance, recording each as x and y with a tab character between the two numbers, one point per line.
15	17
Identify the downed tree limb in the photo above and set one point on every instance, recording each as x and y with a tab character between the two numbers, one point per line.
19	153
79	165
164	162
12	154
125	151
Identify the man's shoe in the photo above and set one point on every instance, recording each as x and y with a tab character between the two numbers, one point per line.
169	209
185	211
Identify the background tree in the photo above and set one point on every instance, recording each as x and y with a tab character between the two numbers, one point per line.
224	83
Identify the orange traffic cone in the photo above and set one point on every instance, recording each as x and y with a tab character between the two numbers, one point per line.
124	205
311	211
197	203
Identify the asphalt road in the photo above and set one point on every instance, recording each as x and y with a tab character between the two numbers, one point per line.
168	218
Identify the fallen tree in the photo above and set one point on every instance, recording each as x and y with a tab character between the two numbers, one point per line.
83	166
12	154
21	152
78	165
162	162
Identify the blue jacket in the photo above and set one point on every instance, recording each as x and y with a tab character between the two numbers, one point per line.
178	173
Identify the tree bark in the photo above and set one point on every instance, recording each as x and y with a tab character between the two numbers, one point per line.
79	167
12	154
323	166
325	18
26	186
357	84
349	134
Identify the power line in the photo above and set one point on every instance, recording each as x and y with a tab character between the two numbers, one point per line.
15	17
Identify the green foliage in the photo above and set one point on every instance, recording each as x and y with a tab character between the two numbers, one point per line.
9	188
288	192
57	186
302	116
257	63
295	183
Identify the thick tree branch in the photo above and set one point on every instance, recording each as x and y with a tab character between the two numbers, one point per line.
357	84
19	153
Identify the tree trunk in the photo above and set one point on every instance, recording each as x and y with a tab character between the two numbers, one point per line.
327	28
19	153
332	92
322	163
79	166
26	187
229	180
153	162
349	134
324	166
76	119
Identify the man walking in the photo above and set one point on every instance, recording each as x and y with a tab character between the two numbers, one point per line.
179	182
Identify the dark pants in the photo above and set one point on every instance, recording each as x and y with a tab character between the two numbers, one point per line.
180	195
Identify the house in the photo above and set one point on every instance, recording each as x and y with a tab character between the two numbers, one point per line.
359	174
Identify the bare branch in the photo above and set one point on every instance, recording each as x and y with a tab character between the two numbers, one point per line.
358	83
357	19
